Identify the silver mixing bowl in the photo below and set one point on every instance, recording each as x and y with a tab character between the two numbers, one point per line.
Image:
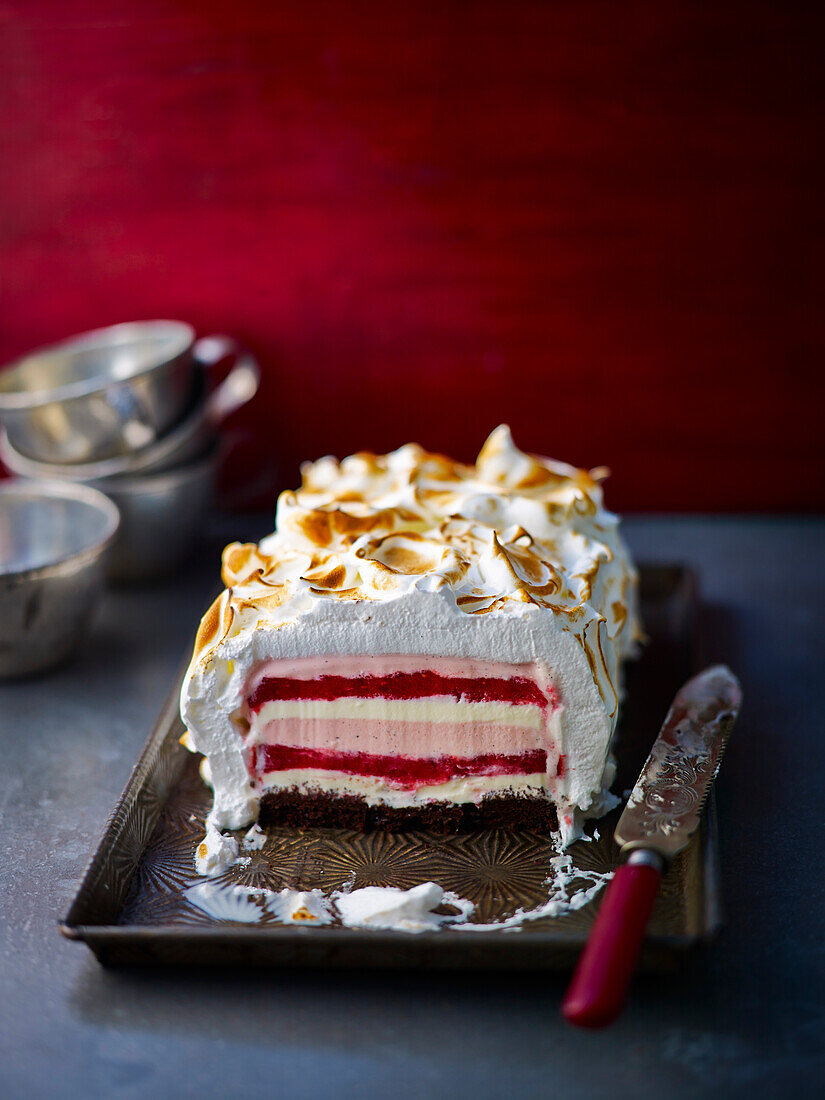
183	443
53	539
105	393
161	517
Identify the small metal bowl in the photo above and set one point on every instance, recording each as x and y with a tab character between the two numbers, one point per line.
53	539
190	438
161	517
105	393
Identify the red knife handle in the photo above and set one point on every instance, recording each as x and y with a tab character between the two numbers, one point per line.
597	992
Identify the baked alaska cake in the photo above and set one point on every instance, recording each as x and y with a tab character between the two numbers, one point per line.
419	644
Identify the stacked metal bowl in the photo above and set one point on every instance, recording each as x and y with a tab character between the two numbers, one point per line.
113	437
127	411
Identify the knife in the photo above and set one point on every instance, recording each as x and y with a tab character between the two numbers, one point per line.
661	816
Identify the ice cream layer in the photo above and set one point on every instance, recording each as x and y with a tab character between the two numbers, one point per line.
422	737
376	791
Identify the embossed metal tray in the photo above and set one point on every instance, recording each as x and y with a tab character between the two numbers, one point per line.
131	909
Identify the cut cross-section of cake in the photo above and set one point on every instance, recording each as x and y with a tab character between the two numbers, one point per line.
402	740
420	644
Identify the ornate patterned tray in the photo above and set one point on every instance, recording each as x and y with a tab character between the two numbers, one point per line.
131	906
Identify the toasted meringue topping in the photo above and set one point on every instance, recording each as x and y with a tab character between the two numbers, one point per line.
512	532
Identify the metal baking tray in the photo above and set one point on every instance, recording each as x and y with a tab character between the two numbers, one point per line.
130	907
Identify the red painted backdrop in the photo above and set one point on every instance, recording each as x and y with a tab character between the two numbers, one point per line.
600	222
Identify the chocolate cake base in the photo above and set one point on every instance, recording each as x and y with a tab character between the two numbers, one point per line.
291	807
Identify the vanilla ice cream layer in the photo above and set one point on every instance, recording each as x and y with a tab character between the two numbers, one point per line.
401	712
376	792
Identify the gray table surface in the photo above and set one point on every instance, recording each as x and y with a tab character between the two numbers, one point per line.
747	1016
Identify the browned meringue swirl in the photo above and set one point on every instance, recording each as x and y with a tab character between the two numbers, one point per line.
512	530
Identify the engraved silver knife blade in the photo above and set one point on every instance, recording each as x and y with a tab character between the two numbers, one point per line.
666	803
